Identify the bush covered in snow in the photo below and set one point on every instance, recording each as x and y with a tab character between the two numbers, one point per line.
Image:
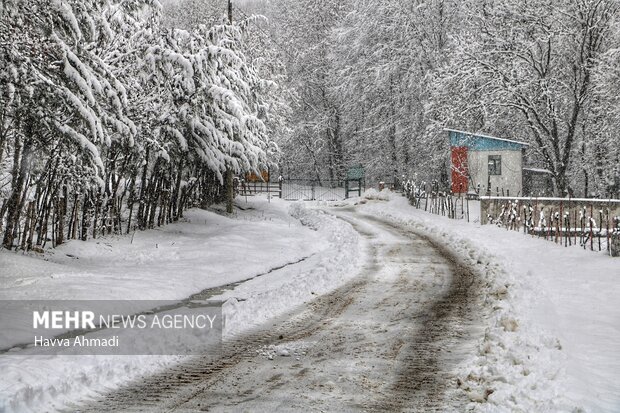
372	193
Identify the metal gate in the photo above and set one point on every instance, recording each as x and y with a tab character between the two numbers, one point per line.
313	190
303	189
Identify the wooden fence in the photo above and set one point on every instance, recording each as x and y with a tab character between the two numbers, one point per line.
588	223
592	224
429	198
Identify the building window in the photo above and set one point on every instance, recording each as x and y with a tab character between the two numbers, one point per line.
495	164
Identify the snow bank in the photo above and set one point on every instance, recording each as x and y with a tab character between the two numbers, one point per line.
372	193
258	300
172	262
553	337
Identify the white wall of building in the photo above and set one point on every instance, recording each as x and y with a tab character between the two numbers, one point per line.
511	179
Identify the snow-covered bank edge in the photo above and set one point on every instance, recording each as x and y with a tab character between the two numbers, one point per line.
319	275
49	383
517	367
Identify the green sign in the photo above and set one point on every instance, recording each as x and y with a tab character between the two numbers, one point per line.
355	172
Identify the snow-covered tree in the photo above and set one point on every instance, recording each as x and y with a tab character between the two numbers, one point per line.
58	91
305	35
526	69
102	105
389	50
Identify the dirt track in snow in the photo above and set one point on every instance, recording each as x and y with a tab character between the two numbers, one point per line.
389	340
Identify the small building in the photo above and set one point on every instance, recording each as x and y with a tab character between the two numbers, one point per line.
485	164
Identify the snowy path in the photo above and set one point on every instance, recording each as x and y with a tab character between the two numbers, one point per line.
206	253
389	339
552	336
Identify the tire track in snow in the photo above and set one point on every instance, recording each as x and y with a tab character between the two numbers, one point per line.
426	371
171	388
422	344
205	294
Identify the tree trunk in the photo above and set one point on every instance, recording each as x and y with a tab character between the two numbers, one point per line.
230	194
73	223
177	188
142	207
20	168
96	217
132	199
85	216
61	215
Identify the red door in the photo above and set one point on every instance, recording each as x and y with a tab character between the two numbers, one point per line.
460	172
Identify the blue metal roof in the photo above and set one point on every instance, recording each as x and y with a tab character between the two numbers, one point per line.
478	142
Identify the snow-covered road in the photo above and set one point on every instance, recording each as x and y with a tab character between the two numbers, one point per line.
361	306
391	338
206	252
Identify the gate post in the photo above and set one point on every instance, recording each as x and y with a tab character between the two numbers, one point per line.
614	249
359	187
280	179
346	189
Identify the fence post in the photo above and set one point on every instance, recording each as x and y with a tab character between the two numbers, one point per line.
561	226
614	245
614	249
591	229
607	232
600	227
467	200
280	180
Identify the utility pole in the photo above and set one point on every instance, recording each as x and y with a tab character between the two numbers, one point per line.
230	192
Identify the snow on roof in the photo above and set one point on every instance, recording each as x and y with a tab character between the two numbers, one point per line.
538	170
543	198
486	136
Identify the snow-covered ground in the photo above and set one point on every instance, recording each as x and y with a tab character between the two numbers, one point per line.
553	341
173	262
170	262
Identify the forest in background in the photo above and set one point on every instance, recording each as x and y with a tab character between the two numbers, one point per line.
375	82
116	115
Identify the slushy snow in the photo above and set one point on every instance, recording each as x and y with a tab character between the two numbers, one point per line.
553	340
173	262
